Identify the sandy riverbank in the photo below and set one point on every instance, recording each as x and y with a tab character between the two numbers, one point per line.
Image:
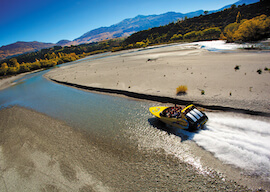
160	71
9	81
38	153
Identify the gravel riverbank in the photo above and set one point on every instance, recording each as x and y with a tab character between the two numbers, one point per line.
38	153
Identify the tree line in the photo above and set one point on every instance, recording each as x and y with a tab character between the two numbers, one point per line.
51	57
244	30
242	23
193	29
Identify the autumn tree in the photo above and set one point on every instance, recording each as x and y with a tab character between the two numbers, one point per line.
228	32
176	37
248	30
211	33
253	29
190	35
24	68
238	17
13	62
4	69
139	44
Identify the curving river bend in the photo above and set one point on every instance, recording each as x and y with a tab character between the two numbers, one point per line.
237	143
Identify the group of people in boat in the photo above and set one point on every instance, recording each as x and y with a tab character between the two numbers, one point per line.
173	112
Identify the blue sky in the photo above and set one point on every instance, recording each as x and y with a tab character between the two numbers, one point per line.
54	20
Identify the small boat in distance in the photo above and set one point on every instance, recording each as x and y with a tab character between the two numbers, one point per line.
190	118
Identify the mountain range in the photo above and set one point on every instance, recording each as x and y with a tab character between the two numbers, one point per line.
141	22
121	29
132	25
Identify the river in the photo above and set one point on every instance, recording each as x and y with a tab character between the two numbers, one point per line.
229	140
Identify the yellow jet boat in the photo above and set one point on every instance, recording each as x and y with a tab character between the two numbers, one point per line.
190	118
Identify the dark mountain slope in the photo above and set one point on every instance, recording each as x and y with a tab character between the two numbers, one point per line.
219	19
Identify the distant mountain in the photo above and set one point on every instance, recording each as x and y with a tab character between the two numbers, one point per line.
21	47
121	29
141	22
132	25
63	42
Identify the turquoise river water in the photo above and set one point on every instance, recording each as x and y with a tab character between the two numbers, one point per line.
234	140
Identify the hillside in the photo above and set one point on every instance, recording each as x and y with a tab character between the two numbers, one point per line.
63	42
218	20
204	27
21	47
240	2
132	25
122	29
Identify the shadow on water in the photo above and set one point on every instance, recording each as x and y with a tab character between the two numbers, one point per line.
183	134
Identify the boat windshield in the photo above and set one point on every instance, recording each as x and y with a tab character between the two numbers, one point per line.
189	109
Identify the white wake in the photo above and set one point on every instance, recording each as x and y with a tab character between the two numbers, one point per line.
218	45
242	142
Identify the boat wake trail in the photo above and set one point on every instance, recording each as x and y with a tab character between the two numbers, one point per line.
242	142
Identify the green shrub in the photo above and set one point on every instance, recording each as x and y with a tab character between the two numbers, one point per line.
236	67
